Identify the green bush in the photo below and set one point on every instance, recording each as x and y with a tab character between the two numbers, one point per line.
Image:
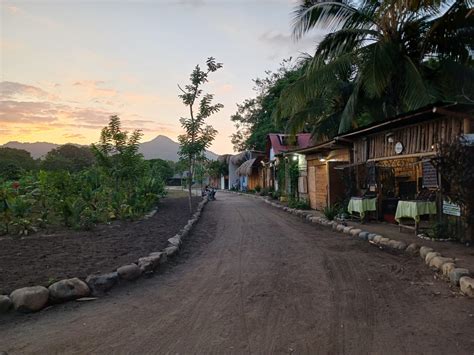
330	212
299	204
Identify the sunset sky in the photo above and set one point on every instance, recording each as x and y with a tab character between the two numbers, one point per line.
66	66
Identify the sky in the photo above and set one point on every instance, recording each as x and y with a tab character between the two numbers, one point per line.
66	66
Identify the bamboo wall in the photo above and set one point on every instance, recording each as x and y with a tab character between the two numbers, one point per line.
416	139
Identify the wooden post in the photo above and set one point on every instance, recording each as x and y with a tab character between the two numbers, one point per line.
467	126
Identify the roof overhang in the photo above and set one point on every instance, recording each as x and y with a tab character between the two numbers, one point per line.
334	144
423	114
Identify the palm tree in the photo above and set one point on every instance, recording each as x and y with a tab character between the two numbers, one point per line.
397	55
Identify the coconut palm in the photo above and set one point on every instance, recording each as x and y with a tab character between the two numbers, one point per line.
398	55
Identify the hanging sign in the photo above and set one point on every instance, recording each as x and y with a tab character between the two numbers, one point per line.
451	209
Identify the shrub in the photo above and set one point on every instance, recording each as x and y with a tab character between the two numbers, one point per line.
330	212
258	188
299	204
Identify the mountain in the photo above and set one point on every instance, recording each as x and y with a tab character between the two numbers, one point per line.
37	149
160	147
164	148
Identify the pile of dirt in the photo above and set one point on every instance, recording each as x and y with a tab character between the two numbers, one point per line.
44	258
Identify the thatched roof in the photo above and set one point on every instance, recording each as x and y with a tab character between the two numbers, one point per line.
239	158
246	168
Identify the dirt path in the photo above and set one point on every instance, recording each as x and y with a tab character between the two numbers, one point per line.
252	279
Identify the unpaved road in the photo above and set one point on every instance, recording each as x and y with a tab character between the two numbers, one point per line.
253	279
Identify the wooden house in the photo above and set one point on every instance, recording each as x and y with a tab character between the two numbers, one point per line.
277	145
320	183
391	159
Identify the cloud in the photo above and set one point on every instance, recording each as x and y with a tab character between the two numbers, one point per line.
74	136
85	106
92	88
9	89
282	44
13	9
27	112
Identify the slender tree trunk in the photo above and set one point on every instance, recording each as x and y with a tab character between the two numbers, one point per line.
190	183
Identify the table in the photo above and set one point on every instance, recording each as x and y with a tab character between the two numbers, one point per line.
413	210
362	205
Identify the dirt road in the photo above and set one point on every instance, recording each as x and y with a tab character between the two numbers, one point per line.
253	279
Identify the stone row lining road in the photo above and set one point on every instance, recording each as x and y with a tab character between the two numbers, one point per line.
252	279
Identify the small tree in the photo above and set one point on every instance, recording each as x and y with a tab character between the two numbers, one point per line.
455	163
198	135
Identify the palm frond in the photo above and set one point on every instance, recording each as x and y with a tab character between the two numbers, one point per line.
414	91
349	113
331	14
378	65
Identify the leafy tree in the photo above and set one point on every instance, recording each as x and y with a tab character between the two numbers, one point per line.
117	151
399	55
198	135
13	162
162	168
217	168
253	119
455	163
68	157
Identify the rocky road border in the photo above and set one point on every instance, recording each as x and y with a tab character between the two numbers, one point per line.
35	298
445	266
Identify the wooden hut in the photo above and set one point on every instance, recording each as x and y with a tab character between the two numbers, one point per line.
391	159
325	186
277	145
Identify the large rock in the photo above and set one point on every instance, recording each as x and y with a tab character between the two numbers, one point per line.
424	251
413	249
340	227
430	256
99	284
371	237
396	244
438	261
347	230
30	299
171	250
176	240
66	290
129	272
149	263
384	242
5	303
447	268
377	239
355	232
363	235
467	286
456	274
161	255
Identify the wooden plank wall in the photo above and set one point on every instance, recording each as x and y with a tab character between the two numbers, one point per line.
419	138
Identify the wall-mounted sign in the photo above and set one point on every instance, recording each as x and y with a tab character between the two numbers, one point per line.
398	147
451	209
430	176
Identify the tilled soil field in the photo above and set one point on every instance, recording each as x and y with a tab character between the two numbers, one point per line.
44	258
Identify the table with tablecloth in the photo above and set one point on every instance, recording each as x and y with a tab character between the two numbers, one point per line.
414	209
362	205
